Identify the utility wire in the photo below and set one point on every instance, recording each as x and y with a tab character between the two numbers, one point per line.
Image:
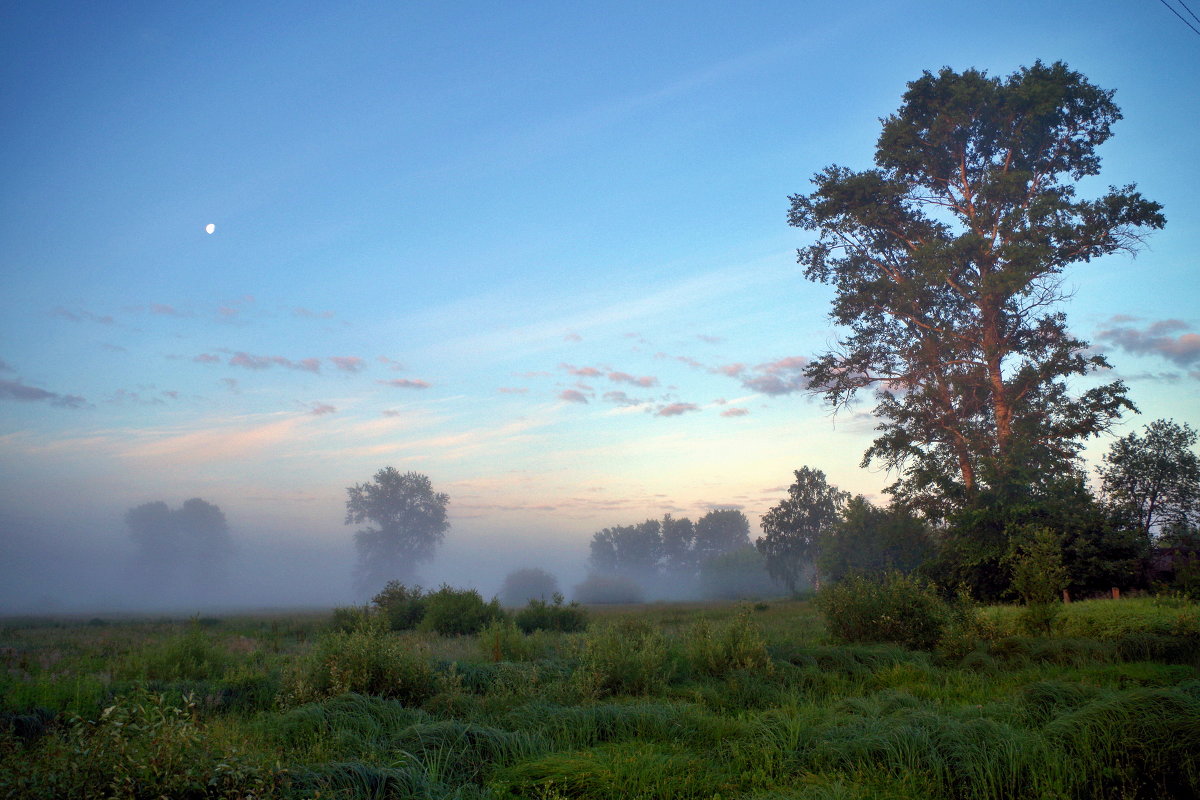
1182	18
1189	10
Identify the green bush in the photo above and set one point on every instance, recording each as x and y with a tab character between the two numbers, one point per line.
368	660
523	585
896	608
458	612
540	616
629	657
502	640
141	746
347	618
718	650
191	656
404	607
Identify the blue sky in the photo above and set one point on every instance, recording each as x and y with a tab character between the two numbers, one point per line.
536	251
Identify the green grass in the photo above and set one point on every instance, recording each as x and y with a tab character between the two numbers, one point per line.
656	701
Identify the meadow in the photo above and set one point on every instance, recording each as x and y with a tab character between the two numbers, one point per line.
753	701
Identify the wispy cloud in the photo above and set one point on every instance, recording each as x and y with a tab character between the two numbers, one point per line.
4	367
394	366
406	383
256	362
735	412
644	381
348	363
321	409
776	377
15	390
676	409
572	337
583	372
164	310
308	313
1156	339
709	339
512	390
572	396
207	358
80	315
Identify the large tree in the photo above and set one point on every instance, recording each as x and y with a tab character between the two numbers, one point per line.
793	529
1153	481
408	523
182	553
947	260
720	531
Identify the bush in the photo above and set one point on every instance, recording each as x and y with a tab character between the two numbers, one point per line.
191	656
403	607
896	609
538	616
368	660
719	650
524	585
458	612
605	589
347	618
629	657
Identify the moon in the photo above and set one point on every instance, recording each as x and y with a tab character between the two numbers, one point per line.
209	228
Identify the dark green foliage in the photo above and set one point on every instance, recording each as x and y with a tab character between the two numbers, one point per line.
403	606
629	657
894	608
1153	482
721	530
458	612
608	589
870	541
191	656
541	616
523	585
347	618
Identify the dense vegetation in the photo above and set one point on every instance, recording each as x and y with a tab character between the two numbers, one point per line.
703	701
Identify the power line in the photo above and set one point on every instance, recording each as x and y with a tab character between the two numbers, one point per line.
1189	10
1182	18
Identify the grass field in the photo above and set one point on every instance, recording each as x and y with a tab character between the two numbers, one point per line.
657	701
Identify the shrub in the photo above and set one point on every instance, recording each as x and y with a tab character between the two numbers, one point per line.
538	616
368	660
604	589
718	650
502	640
458	612
347	618
191	656
629	657
403	607
897	608
524	585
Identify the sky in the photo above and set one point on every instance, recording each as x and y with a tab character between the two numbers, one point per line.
536	251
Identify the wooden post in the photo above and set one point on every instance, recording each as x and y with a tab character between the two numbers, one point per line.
1066	596
1116	593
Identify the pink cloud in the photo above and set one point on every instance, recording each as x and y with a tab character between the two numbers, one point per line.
1156	339
709	339
572	396
164	310
320	409
511	390
207	358
730	370
735	412
778	377
390	412
251	361
83	316
583	372
227	312
675	409
645	381
348	363
15	390
395	366
572	337
405	383
620	398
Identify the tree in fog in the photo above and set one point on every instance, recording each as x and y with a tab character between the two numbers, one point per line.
720	531
632	550
522	585
678	536
185	550
408	522
793	529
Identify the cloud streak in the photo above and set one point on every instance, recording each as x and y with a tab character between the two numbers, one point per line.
1155	339
406	383
15	390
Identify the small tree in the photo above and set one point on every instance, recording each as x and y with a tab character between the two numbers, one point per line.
1153	481
1039	574
793	529
869	540
409	520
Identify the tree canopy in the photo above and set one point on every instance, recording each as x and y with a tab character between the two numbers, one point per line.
184	550
1153	481
947	260
793	528
408	523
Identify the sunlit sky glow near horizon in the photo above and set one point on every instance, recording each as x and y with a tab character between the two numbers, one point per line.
535	251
